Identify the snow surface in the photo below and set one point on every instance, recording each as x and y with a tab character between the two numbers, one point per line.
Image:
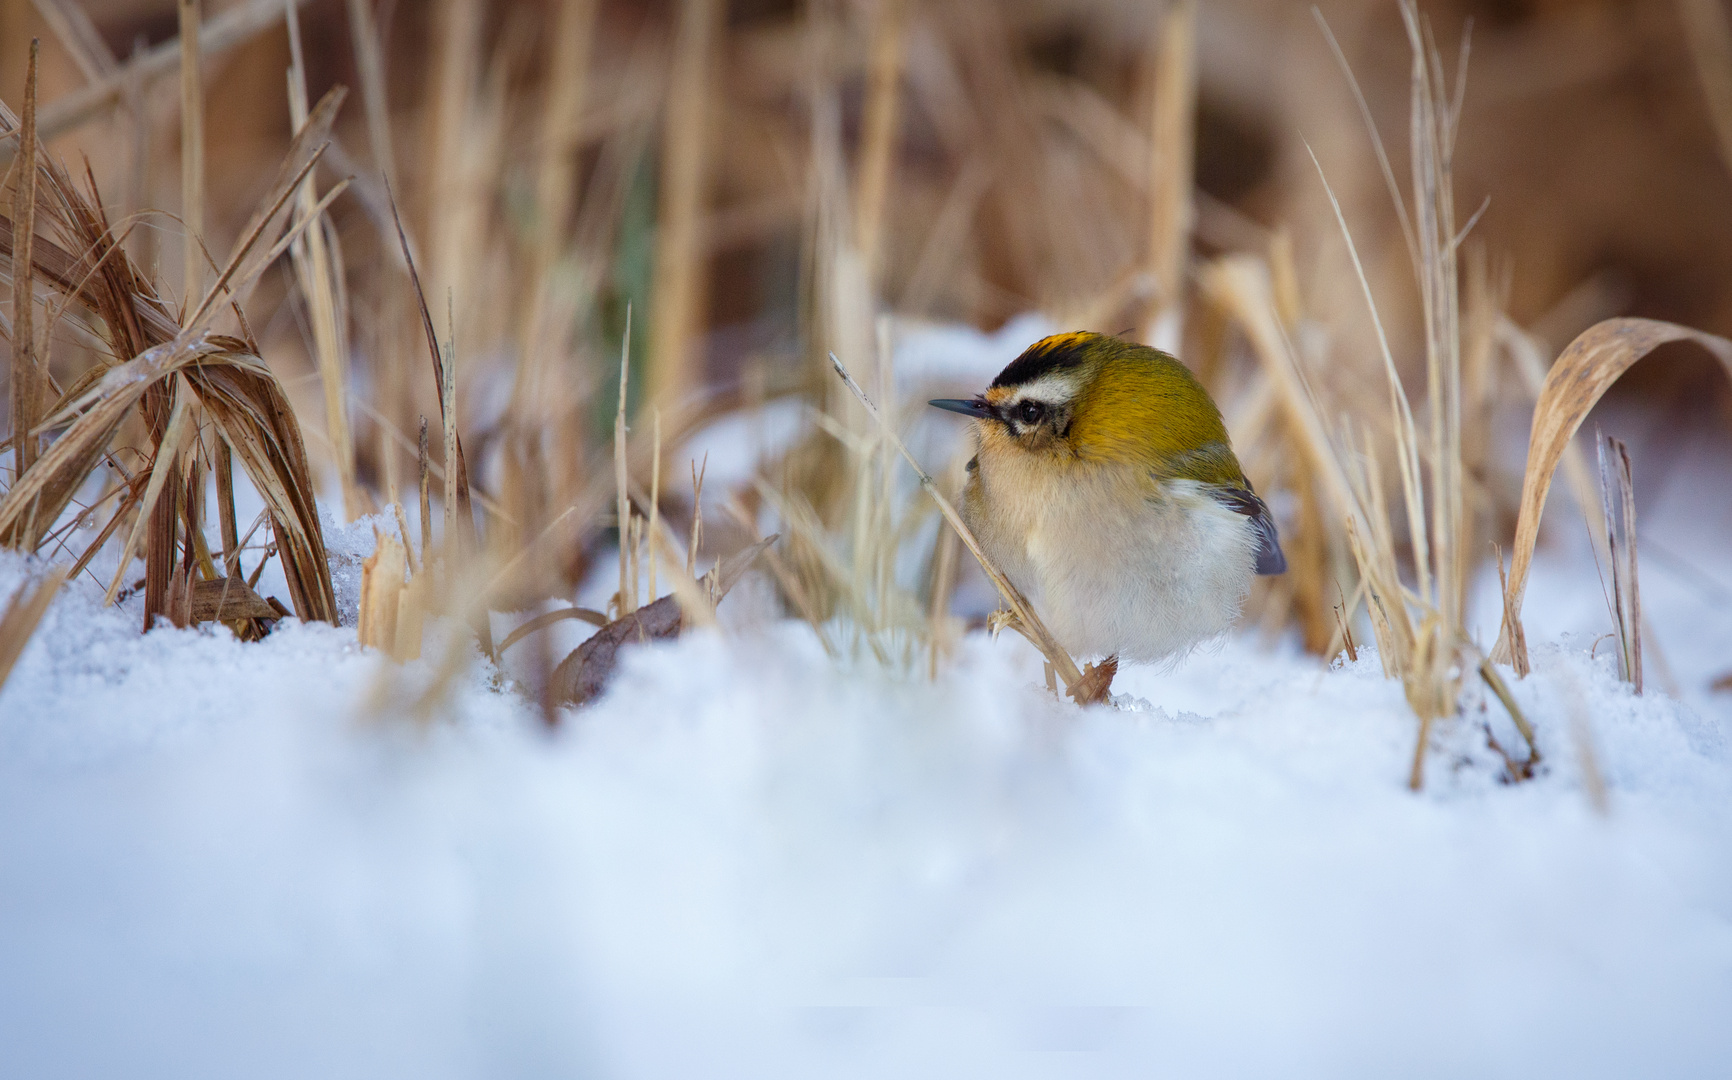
222	860
749	861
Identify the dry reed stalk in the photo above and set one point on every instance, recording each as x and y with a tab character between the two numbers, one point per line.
878	138
1618	503
786	579
1241	286
1436	118
191	151
223	32
225	485
556	171
1172	154
21	617
655	493
382	585
1709	34
403	531
944	568
697	597
27	371
1575	383
319	276
622	499
452	79
370	63
698	516
542	401
426	502
457	479
677	293
448	414
1027	622
1523	770
180	427
78	35
135	120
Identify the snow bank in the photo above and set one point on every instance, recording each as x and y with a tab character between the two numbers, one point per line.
747	861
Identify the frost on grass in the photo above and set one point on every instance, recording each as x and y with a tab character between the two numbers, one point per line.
746	859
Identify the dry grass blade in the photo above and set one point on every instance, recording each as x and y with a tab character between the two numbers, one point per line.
426	506
191	149
247	261
76	31
319	276
26	372
878	141
383	577
465	513
622	498
21	617
1241	286
1709	34
677	293
552	618
1581	375
1618	504
448	413
369	59
180	424
1488	671
1173	151
1027	623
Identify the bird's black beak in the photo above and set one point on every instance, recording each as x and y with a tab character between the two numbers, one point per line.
976	408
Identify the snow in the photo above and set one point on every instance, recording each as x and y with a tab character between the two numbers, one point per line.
749	860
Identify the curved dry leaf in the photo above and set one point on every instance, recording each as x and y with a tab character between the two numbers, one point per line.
1581	375
251	411
583	675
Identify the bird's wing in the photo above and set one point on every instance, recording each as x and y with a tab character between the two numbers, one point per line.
1242	500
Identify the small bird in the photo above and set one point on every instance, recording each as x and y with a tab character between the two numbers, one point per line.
1105	488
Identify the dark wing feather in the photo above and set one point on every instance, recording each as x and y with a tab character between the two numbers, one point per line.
1242	500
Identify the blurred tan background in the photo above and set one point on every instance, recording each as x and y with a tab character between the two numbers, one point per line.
722	167
1016	161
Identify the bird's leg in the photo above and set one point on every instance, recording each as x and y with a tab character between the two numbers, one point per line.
1001	620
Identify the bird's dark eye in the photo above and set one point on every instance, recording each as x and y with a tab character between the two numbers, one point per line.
1031	412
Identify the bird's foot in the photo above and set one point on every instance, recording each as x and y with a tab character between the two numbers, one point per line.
1001	620
1096	685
